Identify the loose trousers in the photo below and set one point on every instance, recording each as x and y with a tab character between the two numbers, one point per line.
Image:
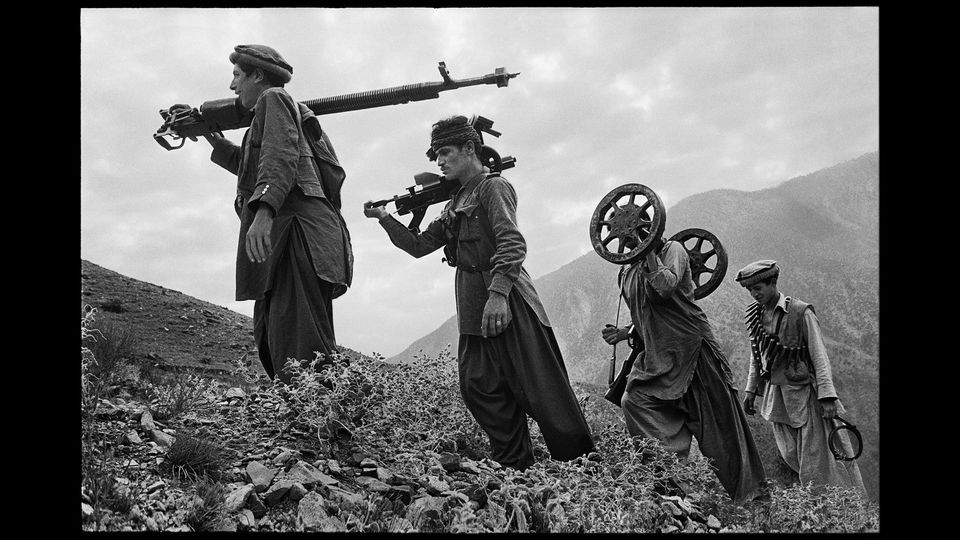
710	411
518	373
806	450
295	317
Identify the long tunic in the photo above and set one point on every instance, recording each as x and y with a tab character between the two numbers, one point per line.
485	263
800	431
672	325
274	159
787	404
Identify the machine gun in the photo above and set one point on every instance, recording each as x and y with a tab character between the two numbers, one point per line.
437	189
224	114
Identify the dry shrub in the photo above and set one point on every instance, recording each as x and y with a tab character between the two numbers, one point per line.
191	457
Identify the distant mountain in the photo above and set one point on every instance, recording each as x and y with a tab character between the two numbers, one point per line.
822	228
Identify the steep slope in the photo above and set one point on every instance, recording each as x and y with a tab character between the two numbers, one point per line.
822	228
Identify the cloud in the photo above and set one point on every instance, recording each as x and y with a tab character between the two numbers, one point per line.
684	100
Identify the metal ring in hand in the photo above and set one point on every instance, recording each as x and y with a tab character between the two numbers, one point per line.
836	443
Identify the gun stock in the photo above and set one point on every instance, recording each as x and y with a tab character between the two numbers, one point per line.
226	114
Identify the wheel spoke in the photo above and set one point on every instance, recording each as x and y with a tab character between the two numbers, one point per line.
608	239
699	244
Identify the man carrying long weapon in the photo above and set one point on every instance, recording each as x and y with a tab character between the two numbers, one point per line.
294	254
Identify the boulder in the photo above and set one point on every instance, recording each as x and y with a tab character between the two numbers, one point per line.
260	475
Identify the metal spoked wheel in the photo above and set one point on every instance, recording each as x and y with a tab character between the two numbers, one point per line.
705	277
627	224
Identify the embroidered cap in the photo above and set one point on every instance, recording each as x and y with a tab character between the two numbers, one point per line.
756	272
263	57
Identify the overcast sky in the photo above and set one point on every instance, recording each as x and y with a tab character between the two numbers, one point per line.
684	100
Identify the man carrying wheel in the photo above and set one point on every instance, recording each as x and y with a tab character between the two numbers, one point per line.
680	385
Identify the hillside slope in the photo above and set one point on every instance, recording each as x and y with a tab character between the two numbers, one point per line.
822	228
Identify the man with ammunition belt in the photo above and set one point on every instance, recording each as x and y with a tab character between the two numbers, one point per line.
294	255
791	372
680	385
510	365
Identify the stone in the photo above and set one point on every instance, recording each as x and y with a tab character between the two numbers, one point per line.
151	524
343	499
237	499
435	485
667	529
671	509
277	491
235	393
470	467
450	462
385	475
133	437
308	475
334	466
372	484
246	521
297	491
311	512
155	486
164	440
713	522
260	475
86	510
146	421
283	457
255	504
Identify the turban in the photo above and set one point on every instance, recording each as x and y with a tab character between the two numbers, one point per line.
263	57
457	131
756	272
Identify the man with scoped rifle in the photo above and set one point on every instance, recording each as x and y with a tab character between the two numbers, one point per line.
681	385
510	364
791	372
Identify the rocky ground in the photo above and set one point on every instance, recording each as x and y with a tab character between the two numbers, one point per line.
235	454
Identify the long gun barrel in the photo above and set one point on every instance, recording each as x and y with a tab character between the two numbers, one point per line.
225	114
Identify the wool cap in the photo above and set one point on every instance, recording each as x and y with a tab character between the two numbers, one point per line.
454	130
263	57
756	272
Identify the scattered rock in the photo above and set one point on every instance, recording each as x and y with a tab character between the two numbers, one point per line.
133	437
671	509
235	394
246	521
308	475
311	512
334	466
450	462
255	504
146	421
713	522
343	499
434	484
277	491
155	486
260	475
297	491
237	499
372	484
164	440
284	457
86	510
422	511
